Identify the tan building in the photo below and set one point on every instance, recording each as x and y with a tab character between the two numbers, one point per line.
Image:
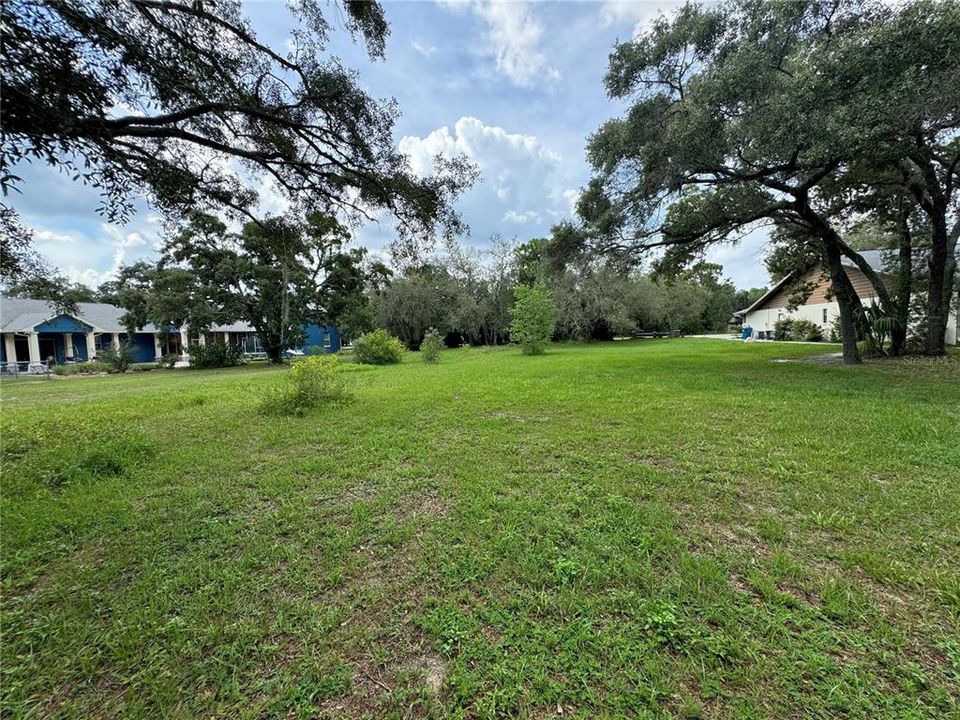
820	307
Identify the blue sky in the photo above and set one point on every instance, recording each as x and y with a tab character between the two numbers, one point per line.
515	86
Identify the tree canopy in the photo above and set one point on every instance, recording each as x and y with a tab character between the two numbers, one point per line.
182	102
749	112
278	275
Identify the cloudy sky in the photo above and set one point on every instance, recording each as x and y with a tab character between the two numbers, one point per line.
515	86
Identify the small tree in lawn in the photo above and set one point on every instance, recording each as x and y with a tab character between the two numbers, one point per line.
431	346
532	318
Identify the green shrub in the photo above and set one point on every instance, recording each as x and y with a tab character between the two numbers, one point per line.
214	355
89	367
117	358
807	331
311	381
143	367
783	329
836	332
875	330
532	318
377	348
431	346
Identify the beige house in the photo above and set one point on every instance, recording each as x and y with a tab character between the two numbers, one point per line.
820	307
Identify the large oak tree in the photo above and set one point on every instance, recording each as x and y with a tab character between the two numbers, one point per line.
751	112
181	101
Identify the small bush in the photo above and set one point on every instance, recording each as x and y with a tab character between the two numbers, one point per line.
807	331
214	355
532	318
143	367
431	346
89	367
117	358
836	332
783	329
797	329
312	381
377	348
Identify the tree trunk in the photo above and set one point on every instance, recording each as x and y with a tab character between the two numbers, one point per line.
274	352
898	339
847	298
942	266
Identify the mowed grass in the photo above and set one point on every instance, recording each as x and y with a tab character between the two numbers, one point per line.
644	529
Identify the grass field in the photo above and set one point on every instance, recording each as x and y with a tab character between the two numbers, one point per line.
647	529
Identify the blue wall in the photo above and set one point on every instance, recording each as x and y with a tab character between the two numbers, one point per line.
62	324
80	346
314	335
143	349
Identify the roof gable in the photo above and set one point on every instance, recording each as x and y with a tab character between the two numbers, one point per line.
26	314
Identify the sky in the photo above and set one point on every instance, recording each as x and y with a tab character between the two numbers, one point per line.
517	87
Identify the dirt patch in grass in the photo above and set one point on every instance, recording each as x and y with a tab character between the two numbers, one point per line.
432	668
654	461
802	594
712	536
428	504
515	417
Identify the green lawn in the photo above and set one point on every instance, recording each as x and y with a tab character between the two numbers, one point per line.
665	528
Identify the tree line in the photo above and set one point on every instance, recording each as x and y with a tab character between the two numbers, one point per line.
467	295
823	119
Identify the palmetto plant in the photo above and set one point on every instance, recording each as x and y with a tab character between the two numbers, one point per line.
876	329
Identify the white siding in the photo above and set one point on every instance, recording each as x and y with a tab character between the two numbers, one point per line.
764	319
953	323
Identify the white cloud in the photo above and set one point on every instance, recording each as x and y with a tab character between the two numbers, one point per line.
571	197
49	236
422	47
95	257
522	181
506	160
521	217
743	261
638	13
513	34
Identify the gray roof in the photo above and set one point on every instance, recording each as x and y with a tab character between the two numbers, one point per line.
876	259
22	315
239	326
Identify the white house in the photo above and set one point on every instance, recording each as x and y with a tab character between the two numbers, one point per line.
820	307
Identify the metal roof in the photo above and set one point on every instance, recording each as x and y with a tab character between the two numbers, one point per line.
876	259
23	315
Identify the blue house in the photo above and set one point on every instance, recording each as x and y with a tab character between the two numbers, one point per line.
34	332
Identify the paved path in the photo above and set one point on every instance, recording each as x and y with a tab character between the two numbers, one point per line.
780	342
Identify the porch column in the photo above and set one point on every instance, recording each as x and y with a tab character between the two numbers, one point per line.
91	346
11	347
33	342
226	338
157	350
68	345
202	339
184	341
115	340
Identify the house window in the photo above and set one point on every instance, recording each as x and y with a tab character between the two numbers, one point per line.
326	339
825	316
